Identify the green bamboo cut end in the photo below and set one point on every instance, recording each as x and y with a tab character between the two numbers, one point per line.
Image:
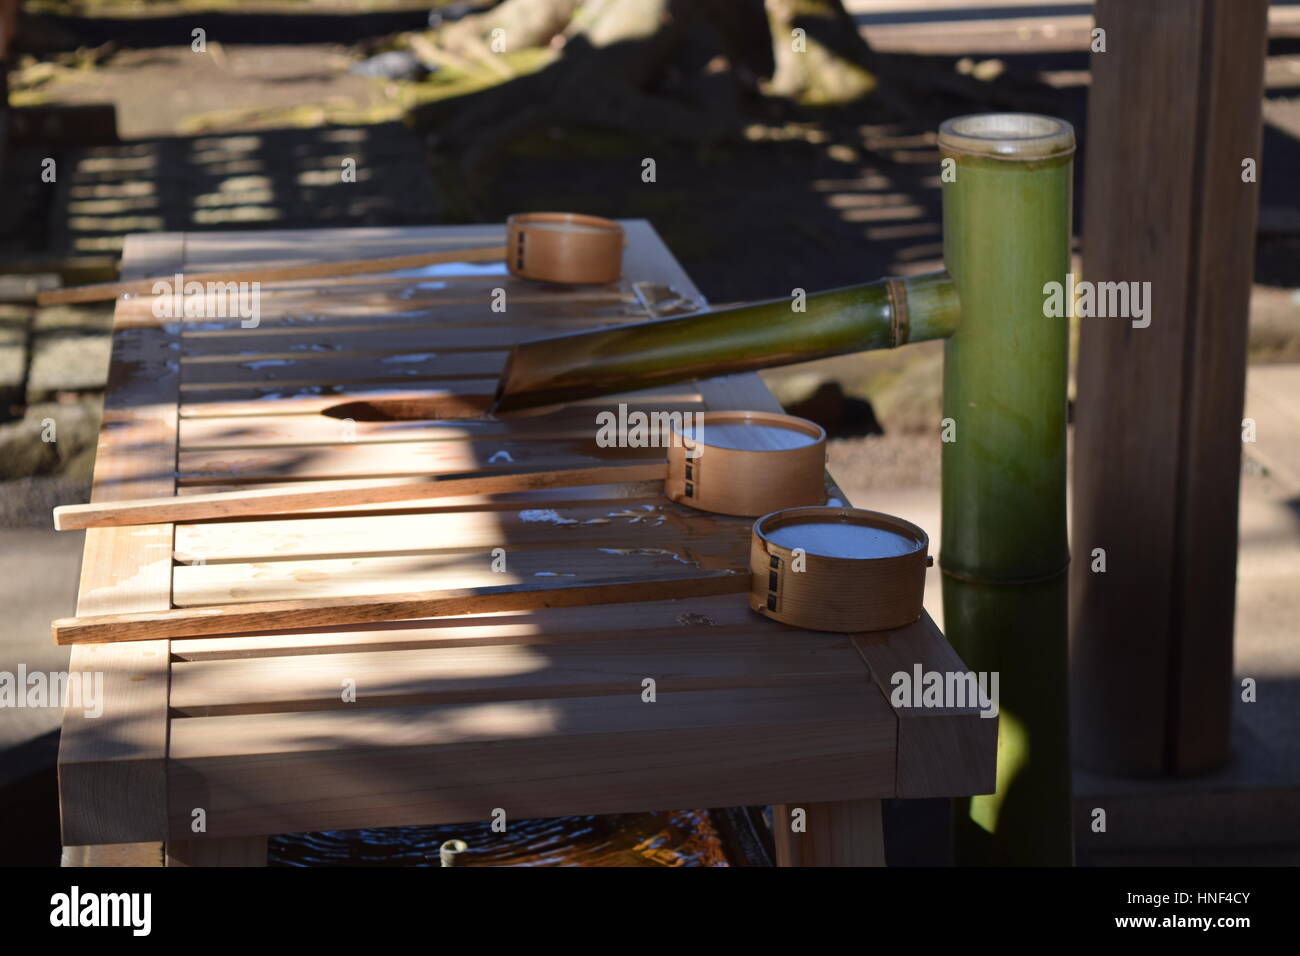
1022	136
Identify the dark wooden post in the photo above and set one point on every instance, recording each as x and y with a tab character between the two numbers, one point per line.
1173	115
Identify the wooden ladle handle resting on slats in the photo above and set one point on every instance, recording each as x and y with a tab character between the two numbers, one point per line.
104	291
562	247
273	501
324	612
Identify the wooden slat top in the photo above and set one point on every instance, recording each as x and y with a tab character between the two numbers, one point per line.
441	720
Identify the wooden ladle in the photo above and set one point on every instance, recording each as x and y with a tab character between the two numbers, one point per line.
778	463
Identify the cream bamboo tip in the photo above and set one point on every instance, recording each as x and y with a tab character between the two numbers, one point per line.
1007	135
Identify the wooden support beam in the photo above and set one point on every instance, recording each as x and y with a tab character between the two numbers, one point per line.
838	833
1174	113
113	854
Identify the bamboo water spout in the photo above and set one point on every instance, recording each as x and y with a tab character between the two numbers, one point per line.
881	314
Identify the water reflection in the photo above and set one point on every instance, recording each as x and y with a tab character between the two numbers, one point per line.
670	838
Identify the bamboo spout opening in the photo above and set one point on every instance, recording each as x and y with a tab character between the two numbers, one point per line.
1008	135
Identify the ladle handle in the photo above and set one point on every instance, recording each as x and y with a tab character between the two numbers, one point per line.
318	270
261	502
325	612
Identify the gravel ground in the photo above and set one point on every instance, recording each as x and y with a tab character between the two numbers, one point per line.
885	461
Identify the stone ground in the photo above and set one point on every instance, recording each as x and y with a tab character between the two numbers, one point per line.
253	136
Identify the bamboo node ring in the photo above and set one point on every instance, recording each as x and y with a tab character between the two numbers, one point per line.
981	579
899	321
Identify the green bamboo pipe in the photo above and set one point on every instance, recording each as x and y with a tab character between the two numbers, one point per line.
1006	234
881	314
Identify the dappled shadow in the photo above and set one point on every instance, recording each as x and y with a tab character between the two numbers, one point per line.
281	178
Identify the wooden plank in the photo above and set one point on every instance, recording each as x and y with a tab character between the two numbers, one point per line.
471	461
463	398
205	434
352	576
413	308
448	277
287	431
111	774
469	673
540	758
408	405
1157	491
318	612
614	495
404	292
310	315
451	279
652	522
340	368
458	398
837	833
233	851
722	616
421	334
942	751
220	249
243	503
467	399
